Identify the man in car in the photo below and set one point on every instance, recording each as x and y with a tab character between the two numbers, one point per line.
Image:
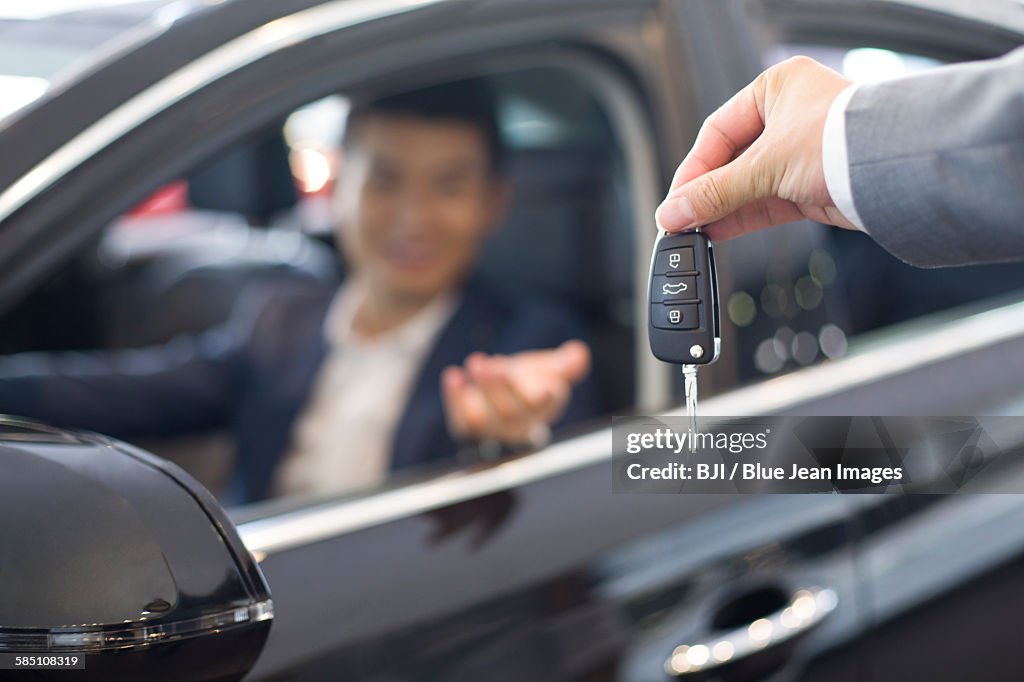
413	359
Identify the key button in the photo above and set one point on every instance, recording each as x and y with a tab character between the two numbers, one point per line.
671	261
673	289
675	316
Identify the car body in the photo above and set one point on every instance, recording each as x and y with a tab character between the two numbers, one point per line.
531	567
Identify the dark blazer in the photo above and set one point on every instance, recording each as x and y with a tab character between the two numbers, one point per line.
255	374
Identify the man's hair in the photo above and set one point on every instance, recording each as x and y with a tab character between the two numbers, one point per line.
468	101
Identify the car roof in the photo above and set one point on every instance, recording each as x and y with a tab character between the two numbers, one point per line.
46	45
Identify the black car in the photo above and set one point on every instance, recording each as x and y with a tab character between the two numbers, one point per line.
530	567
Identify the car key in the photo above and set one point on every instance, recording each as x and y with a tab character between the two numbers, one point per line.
683	317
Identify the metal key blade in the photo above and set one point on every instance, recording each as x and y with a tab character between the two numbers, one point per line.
690	387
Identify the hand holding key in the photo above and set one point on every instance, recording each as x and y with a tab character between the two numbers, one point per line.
513	399
757	161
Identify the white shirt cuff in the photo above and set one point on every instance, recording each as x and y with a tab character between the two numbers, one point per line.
834	159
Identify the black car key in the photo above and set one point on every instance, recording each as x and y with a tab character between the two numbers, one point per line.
682	306
683	300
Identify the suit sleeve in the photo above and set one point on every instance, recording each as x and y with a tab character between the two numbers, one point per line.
937	163
183	386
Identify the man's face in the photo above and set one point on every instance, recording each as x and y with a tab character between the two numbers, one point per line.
415	199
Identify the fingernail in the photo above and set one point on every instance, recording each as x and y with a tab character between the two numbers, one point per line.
676	214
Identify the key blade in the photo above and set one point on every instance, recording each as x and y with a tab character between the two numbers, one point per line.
690	388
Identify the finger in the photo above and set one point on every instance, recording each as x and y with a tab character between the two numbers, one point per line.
534	427
574	357
536	378
512	420
770	212
754	216
724	134
453	392
716	194
540	398
536	390
453	381
571	361
465	407
487	374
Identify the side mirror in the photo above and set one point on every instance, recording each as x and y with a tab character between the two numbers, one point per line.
121	561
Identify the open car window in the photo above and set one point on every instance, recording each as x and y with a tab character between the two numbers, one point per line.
239	257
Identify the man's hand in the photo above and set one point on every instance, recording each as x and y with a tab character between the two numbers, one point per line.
512	399
757	159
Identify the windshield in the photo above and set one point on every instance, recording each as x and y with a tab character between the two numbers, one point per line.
46	41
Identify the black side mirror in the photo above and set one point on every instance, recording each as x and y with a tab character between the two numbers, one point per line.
120	561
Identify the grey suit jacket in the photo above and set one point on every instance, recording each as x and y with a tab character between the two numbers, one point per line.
937	163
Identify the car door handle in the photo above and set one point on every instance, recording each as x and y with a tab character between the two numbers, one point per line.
805	609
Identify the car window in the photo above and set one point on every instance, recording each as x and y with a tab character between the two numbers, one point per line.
822	296
209	323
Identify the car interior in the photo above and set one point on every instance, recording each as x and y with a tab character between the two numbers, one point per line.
152	277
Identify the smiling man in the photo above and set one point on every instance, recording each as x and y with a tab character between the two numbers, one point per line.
420	189
412	360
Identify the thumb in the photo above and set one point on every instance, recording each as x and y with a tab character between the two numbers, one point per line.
569	361
709	197
574	358
453	381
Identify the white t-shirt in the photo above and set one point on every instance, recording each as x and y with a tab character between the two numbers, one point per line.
343	437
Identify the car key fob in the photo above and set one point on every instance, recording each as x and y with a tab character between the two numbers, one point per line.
683	317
